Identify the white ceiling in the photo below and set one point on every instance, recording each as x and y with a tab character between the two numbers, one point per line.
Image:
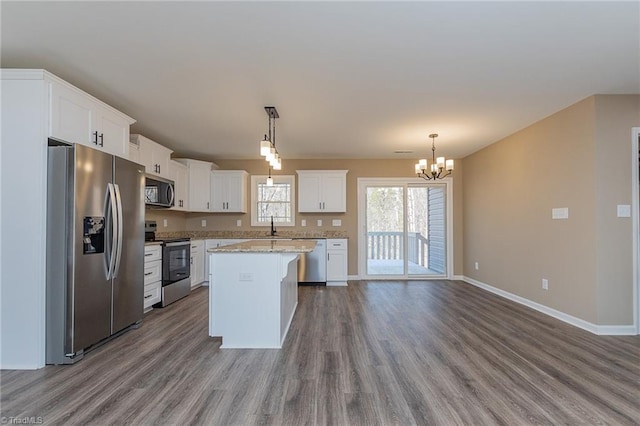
350	80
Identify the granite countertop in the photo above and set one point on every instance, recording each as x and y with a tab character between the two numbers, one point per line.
152	243
268	246
252	235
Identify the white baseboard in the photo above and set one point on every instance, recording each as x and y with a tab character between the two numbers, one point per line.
612	330
336	283
616	330
382	278
20	367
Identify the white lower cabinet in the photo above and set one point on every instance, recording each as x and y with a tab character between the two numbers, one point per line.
152	275
197	263
337	262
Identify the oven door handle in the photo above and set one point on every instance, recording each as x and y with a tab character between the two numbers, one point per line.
179	243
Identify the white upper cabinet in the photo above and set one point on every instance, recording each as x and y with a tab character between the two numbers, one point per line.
153	156
179	173
199	177
78	117
322	191
134	152
229	191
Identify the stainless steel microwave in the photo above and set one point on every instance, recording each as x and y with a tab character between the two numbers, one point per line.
158	192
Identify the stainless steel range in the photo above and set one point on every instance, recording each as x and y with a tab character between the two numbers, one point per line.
176	265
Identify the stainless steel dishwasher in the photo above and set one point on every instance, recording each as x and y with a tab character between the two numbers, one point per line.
312	267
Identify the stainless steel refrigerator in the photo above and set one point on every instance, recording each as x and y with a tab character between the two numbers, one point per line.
95	249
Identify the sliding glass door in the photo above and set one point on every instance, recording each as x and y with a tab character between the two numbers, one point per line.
385	230
405	230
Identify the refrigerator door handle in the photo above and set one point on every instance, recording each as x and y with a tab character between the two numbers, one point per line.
110	210
119	229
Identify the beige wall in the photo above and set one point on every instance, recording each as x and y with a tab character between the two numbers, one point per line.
577	158
357	168
176	221
615	115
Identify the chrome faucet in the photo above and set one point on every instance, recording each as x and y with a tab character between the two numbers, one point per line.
273	228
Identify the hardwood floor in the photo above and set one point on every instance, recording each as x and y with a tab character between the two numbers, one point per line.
431	352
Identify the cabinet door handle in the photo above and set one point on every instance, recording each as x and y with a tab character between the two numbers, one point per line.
95	134
148	254
191	261
148	296
328	256
101	139
148	273
319	206
207	205
159	168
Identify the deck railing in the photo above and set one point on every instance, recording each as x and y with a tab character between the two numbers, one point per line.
390	246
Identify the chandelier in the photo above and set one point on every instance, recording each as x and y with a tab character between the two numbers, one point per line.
268	144
438	165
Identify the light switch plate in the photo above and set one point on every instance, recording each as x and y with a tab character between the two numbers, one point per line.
303	222
319	222
165	223
336	222
239	222
560	213
203	223
624	210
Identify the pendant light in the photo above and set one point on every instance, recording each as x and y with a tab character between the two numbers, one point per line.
268	144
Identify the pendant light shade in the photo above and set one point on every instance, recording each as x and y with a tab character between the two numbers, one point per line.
265	145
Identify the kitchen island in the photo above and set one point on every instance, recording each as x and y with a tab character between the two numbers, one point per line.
253	291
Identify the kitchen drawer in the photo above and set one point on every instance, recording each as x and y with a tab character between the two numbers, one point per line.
152	271
336	244
151	295
152	253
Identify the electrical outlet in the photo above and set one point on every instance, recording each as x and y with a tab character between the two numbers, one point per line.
545	284
245	276
165	223
336	222
303	222
319	222
477	266
203	223
239	222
